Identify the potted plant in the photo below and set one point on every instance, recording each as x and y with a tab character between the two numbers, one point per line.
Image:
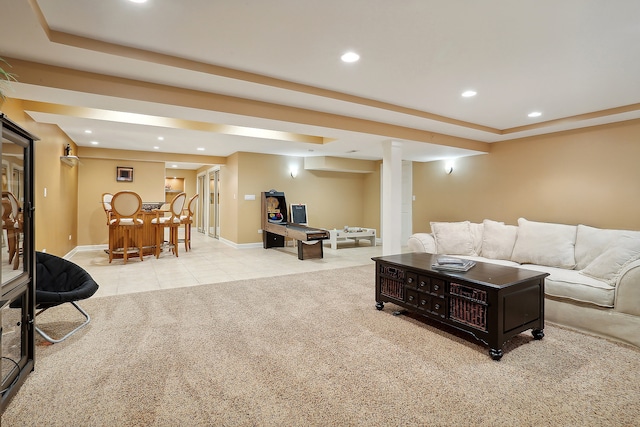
5	78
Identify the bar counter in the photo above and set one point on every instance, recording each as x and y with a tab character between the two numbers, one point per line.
148	232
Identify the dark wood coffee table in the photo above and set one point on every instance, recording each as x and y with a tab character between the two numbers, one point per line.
491	302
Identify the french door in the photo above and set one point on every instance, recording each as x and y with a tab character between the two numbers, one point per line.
208	221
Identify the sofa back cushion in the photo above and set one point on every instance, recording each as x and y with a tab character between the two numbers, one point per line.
453	238
498	239
544	243
591	242
609	264
477	230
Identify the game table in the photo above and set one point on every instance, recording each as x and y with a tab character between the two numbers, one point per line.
275	228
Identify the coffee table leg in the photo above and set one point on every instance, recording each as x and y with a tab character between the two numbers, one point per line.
496	353
538	334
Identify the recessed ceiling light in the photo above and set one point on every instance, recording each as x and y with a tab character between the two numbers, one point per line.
161	138
156	148
87	131
174	166
94	143
200	148
469	93
535	114
350	57
138	1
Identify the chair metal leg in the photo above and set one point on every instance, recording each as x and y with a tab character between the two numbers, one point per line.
52	340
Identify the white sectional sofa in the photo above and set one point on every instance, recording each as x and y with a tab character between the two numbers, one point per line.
594	274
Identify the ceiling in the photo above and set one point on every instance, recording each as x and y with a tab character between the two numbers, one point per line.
224	71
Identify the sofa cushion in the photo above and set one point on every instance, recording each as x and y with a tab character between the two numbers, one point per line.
477	230
608	265
422	242
544	243
591	242
571	284
453	238
498	239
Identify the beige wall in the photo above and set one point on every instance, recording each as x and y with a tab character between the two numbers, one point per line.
229	199
588	176
97	176
189	176
333	199
55	215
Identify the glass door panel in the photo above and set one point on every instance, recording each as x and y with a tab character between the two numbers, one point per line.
214	197
202	192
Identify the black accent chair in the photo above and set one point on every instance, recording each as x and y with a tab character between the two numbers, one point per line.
59	281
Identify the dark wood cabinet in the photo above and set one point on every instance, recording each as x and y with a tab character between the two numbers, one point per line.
17	257
491	302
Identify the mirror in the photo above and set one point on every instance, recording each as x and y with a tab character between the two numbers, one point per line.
13	184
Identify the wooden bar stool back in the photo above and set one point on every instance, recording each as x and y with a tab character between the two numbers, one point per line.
12	222
172	222
126	221
106	205
187	219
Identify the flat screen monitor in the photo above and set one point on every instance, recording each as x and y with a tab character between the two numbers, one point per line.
299	214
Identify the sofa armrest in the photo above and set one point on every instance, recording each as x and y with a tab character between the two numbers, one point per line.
628	290
422	242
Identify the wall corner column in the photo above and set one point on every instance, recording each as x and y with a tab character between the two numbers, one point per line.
391	197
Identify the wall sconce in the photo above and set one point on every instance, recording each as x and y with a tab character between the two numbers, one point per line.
448	168
293	171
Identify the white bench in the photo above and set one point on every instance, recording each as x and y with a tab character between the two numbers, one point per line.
361	233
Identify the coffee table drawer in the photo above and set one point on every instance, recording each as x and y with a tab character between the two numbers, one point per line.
411	297
437	287
438	307
412	279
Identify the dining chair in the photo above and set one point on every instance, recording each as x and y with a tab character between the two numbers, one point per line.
187	219
106	205
12	222
126	212
172	222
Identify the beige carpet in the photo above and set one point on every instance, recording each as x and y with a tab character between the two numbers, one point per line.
311	350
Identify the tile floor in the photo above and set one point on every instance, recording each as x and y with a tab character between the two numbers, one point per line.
211	261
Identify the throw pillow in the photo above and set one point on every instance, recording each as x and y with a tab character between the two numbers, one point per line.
591	242
608	265
498	239
544	243
453	238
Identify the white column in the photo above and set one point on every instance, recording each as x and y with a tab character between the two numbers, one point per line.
391	197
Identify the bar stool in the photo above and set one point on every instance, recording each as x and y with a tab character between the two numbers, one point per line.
171	222
12	222
125	212
187	220
106	205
